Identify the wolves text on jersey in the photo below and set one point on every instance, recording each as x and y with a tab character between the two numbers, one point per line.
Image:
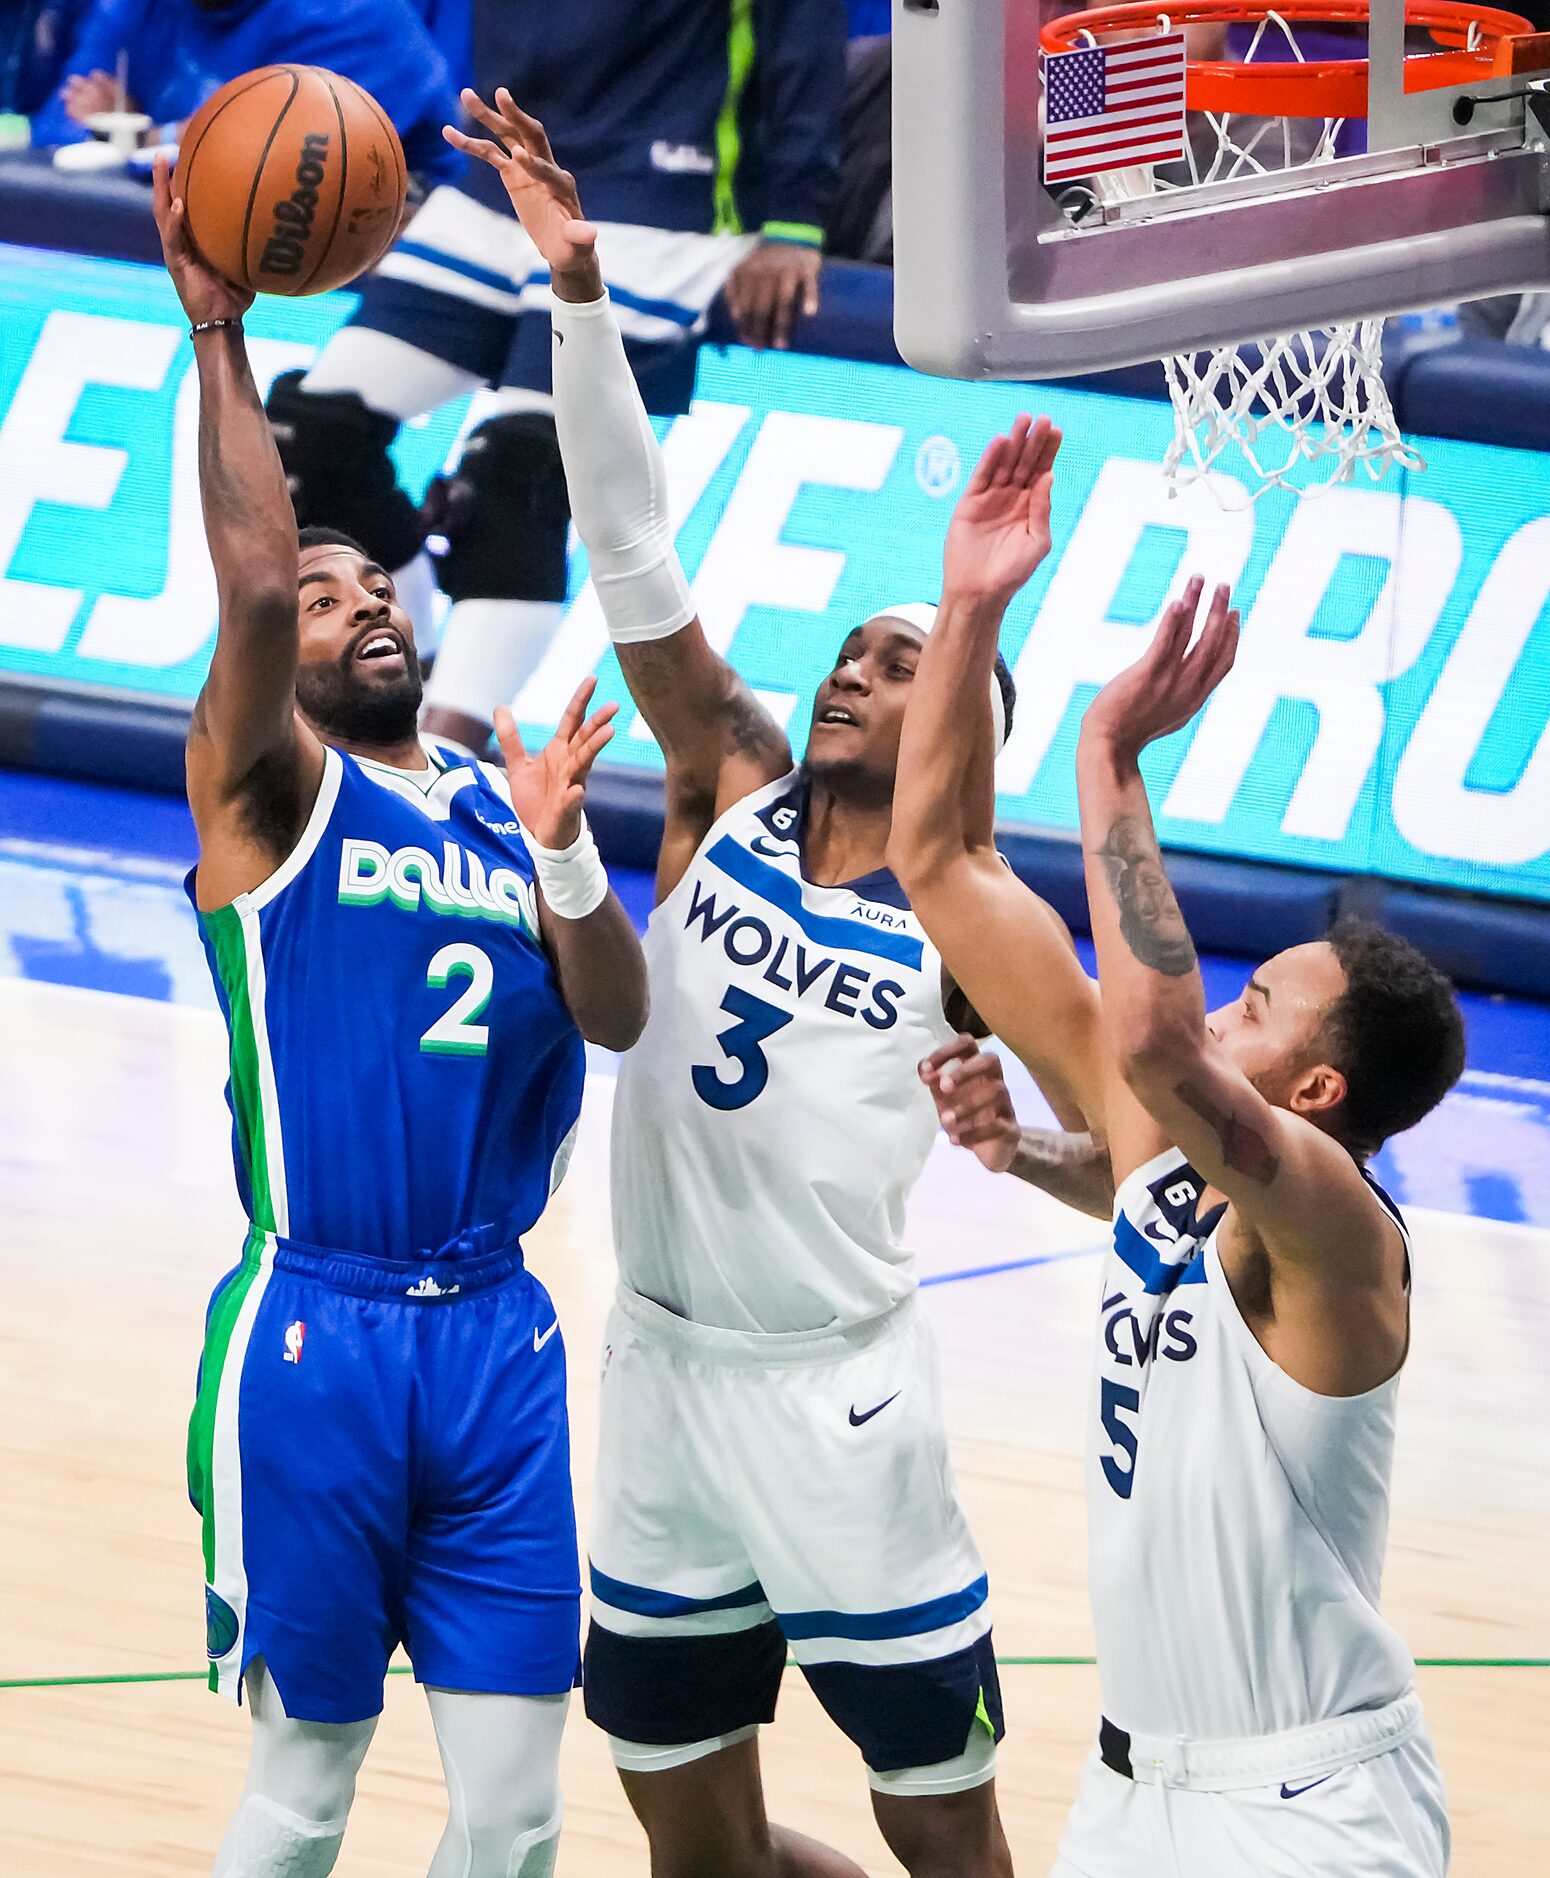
789	965
1134	1343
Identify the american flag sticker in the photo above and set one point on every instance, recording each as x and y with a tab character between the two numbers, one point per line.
1111	107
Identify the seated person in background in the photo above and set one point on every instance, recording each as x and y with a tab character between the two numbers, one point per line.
36	37
179	51
451	24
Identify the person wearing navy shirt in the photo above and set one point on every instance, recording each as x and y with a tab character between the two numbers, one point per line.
704	137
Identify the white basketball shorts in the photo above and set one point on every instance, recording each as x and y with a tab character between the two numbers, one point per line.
465	284
763	1493
1380	1818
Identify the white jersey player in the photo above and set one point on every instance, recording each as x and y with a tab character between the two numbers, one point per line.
773	1471
1258	1712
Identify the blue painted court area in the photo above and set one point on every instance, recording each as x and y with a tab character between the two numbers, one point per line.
91	895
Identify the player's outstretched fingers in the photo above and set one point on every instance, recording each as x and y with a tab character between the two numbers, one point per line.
509	737
575	711
596	734
534	136
1031	458
479	147
986	470
486	114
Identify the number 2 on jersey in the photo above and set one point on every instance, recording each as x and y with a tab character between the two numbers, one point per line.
757	1020
455	1033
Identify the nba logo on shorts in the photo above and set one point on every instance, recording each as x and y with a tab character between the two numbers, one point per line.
295	1336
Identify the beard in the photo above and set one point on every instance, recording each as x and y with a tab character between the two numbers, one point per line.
351	710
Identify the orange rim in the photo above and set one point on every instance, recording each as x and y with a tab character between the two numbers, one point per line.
1333	88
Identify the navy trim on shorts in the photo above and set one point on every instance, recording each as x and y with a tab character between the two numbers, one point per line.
909	1715
669	1692
470	270
911	1620
643	1602
684	316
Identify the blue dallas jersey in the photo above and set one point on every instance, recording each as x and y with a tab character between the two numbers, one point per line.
405	1076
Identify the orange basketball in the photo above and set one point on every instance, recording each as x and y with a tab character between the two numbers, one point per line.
294	180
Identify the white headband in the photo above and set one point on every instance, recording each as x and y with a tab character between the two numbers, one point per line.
921	614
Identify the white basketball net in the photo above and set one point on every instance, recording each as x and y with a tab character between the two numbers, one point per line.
1303	398
1312	397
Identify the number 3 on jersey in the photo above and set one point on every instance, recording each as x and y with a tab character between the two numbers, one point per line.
455	1033
757	1021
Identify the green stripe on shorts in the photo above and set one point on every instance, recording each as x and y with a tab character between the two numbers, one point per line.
228	941
201	1424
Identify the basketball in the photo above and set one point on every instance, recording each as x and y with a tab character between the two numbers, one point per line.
294	180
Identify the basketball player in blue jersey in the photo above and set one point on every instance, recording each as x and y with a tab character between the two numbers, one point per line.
408	948
1259	1713
773	1469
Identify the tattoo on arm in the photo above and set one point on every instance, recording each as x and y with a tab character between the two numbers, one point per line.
227	492
1149	918
1074	1168
751	731
1244	1149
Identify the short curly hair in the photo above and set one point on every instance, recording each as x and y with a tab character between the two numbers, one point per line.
1395	1033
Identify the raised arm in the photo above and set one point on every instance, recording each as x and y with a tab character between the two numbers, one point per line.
1295	1186
718	742
1008	952
243	732
597	957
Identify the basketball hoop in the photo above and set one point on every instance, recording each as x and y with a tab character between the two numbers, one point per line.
1314	397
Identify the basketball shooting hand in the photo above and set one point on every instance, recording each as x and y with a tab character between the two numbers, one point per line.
973	1102
205	294
543	195
547	790
1171	680
1000	530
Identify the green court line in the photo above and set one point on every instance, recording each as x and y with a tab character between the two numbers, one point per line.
1005	1662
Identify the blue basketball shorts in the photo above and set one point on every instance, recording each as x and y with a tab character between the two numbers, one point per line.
380	1454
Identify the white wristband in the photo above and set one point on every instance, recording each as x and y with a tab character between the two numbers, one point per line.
572	880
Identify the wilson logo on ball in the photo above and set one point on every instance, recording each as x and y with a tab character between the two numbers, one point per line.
293	180
294	214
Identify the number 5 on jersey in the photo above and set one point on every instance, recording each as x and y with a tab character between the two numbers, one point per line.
456	1032
757	1021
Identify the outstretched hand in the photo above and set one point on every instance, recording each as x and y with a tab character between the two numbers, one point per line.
1000	530
1171	680
206	295
547	790
543	195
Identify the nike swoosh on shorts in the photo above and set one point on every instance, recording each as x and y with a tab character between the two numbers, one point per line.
857	1420
1291	1793
540	1338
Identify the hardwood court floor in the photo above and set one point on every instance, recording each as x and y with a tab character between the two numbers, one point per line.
117	1216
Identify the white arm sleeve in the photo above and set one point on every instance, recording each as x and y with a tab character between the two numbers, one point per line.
618	485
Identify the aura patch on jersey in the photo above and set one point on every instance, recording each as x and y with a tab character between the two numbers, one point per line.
749	870
457	884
